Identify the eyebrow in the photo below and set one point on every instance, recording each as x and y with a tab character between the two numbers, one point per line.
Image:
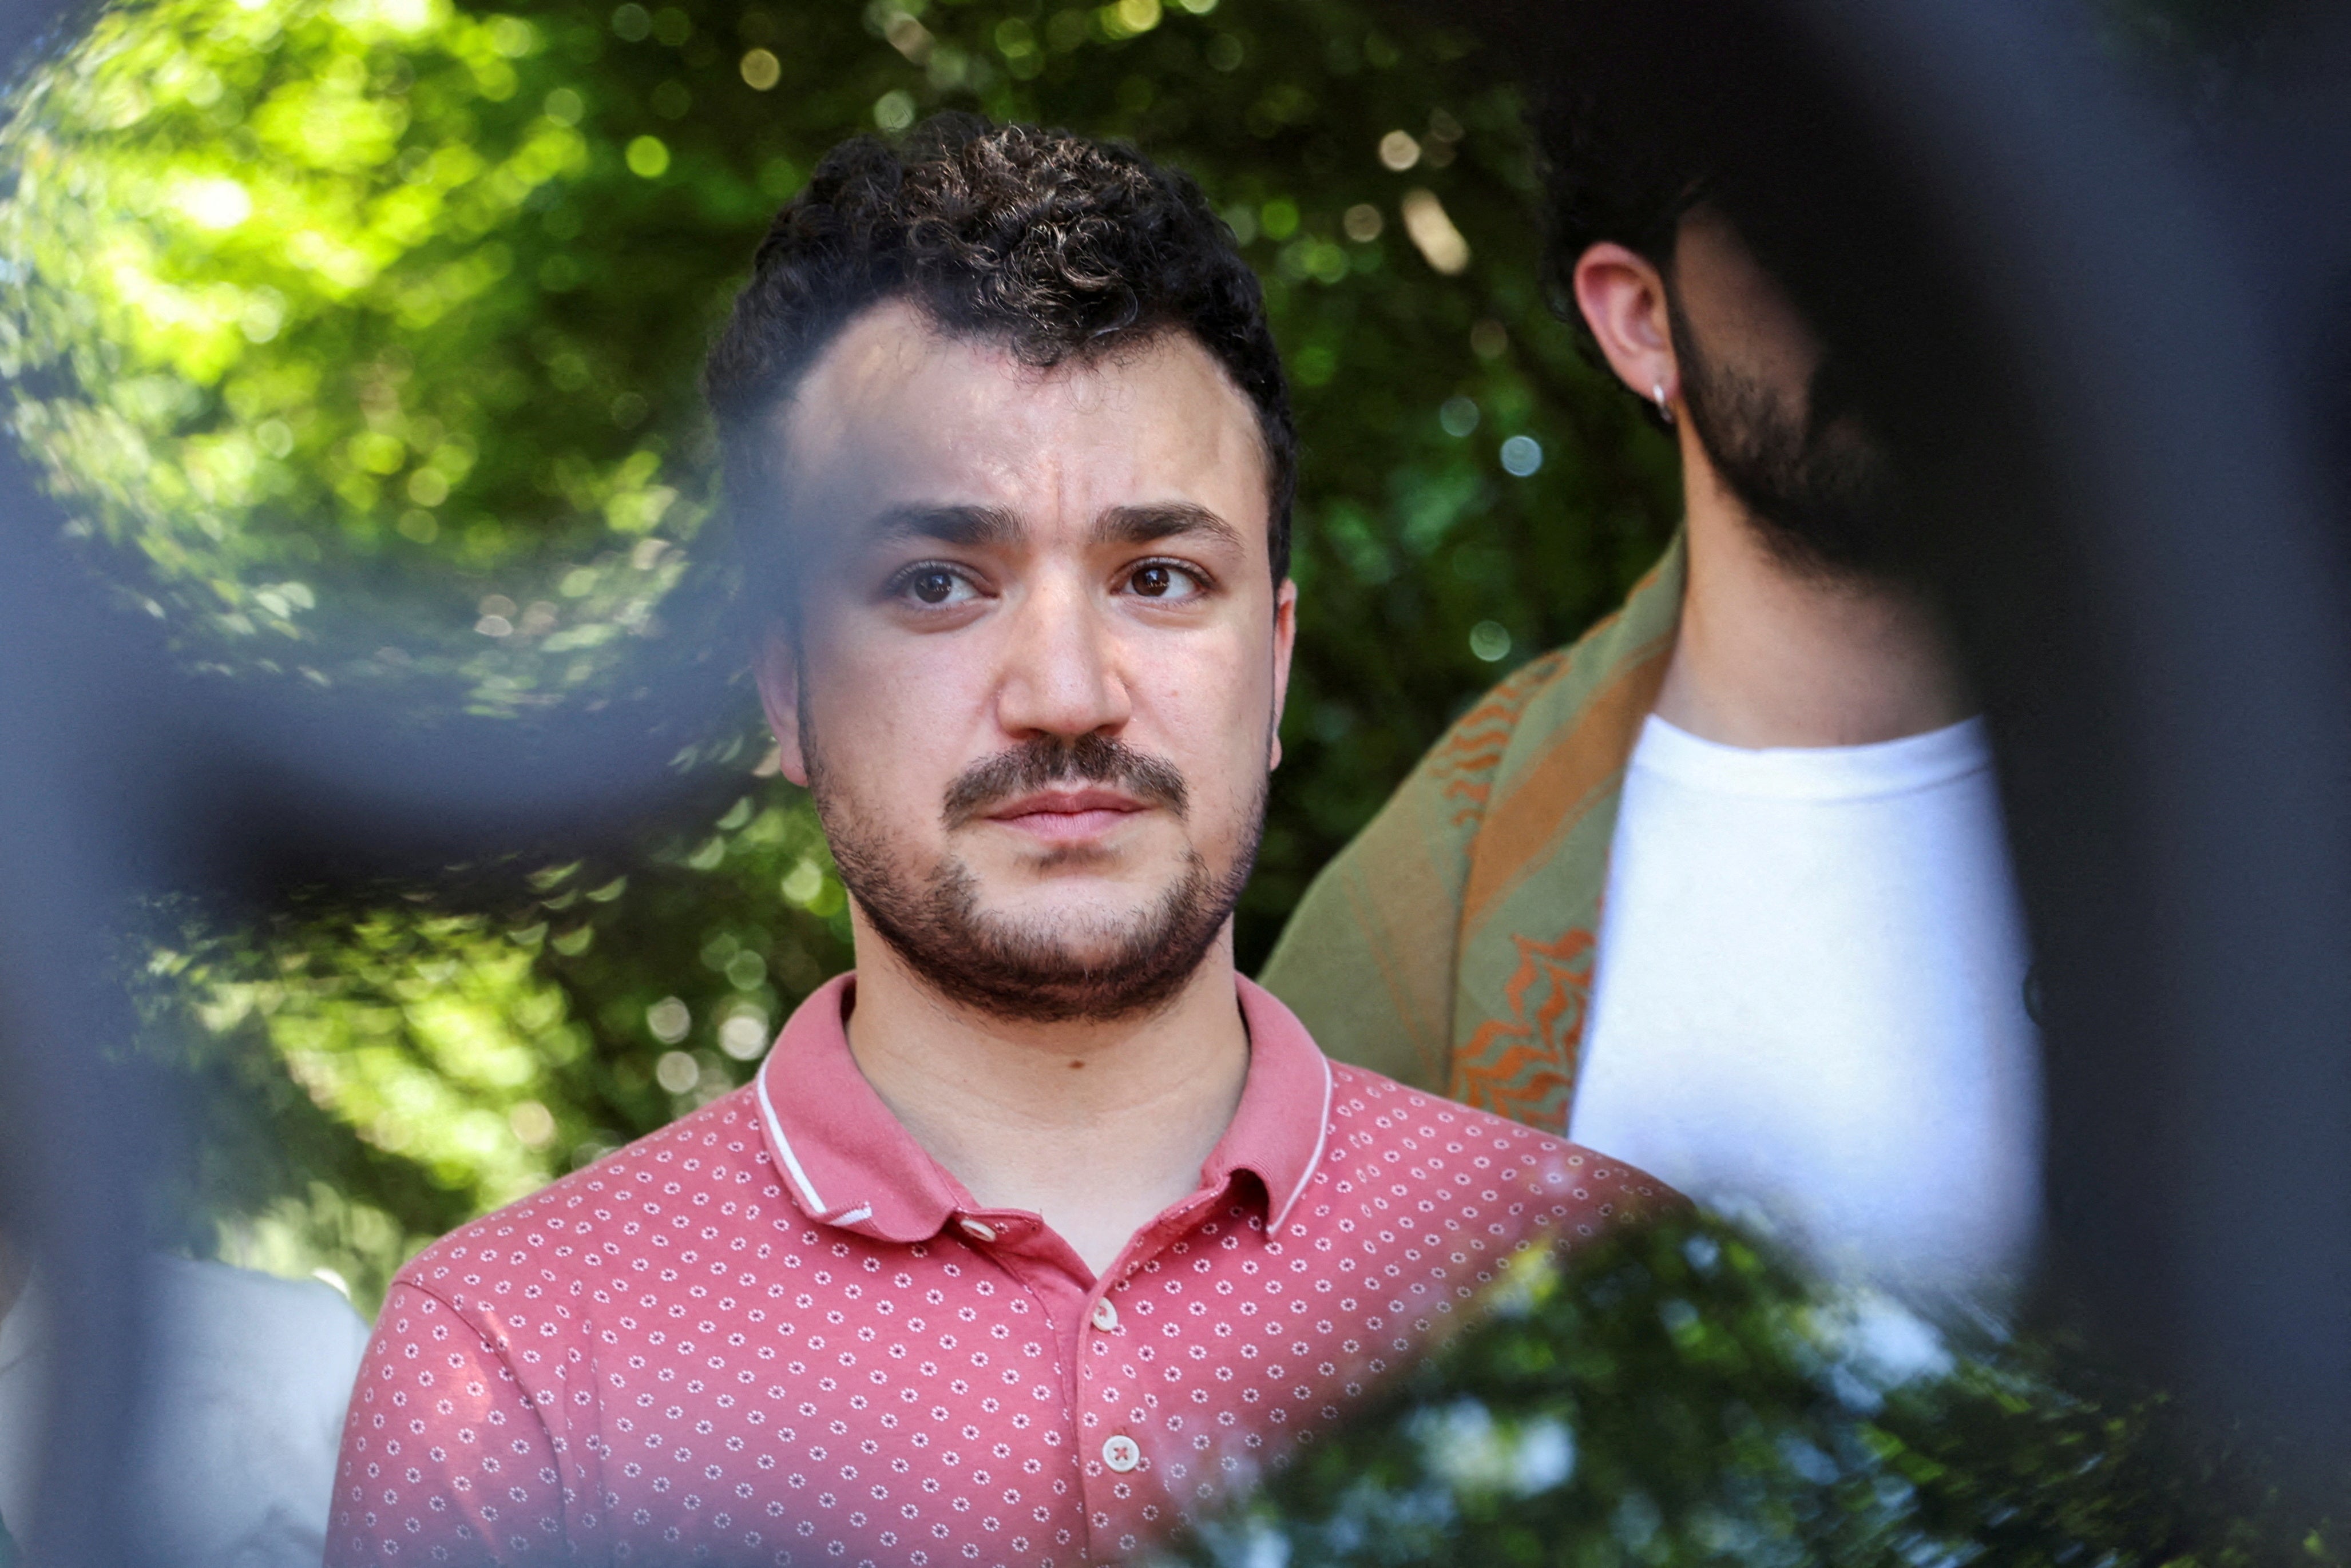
1166	520
974	528
970	527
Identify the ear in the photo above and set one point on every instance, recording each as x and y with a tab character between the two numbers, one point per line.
1285	640
776	670
1622	297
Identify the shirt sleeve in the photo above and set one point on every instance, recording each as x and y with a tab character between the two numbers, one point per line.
444	1458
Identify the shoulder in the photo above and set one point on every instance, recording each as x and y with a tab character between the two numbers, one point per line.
1395	1125
277	1341
1552	693
709	1167
201	1297
1367	955
1375	1109
1569	696
1473	747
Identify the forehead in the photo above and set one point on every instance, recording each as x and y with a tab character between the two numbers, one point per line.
897	413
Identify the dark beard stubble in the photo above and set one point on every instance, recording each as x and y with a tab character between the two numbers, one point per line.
1002	969
1819	490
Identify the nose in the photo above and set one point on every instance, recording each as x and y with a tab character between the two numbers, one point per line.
1060	675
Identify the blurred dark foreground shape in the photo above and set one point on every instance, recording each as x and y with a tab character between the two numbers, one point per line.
2117	392
2111	370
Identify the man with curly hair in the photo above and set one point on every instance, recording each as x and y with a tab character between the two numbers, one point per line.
1806	1000
1043	1224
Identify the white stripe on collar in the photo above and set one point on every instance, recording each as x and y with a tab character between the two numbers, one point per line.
1314	1163
814	1204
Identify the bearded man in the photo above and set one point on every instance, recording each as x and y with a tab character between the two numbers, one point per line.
1042	1225
1806	1001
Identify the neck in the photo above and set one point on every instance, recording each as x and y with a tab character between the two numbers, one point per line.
1097	1127
1770	655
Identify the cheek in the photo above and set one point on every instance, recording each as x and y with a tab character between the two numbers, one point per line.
1212	712
891	718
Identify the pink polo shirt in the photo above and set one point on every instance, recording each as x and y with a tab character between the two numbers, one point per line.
777	1332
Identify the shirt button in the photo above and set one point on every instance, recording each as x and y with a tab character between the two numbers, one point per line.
1105	1315
979	1231
1121	1454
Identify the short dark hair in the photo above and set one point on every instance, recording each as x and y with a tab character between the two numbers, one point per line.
1645	108
1059	246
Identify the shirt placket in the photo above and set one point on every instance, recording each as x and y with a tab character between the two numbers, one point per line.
1122	1453
1031	1256
1124	1450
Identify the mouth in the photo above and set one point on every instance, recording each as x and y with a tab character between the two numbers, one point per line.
1066	816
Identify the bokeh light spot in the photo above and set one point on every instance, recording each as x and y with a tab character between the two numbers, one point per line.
761	70
648	157
533	1123
1432	235
1130	18
668	1020
744	1035
216	203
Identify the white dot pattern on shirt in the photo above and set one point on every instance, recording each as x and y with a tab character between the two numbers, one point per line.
660	1358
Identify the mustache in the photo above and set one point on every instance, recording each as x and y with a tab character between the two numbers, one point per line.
1056	759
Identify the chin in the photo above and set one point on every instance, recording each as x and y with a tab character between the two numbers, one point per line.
1072	947
1087	929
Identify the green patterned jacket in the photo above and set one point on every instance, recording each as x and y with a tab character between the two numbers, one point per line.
1451	945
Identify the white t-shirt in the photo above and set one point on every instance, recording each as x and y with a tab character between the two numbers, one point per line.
243	1414
1809	1003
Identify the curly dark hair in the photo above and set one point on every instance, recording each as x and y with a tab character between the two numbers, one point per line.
1059	246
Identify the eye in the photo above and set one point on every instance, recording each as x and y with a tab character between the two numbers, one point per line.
1165	581
933	586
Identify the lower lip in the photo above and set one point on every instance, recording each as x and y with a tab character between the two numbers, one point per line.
1066	826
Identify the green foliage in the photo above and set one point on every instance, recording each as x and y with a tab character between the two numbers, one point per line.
1678	1397
263	295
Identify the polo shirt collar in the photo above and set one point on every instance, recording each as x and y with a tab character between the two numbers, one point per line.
850	1165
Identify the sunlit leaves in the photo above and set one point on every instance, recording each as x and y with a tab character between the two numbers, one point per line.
427	1037
263	268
